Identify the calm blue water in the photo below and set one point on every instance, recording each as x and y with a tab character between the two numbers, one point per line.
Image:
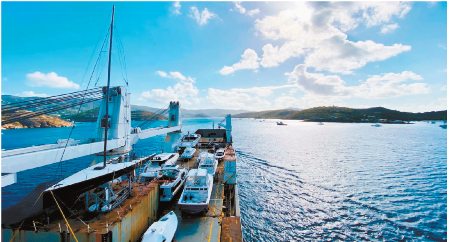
304	181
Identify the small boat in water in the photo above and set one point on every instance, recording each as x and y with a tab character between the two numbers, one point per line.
152	169
197	192
174	178
189	140
208	162
376	125
319	123
163	230
281	123
220	153
444	126
188	153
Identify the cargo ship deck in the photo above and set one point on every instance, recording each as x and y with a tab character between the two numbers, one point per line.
214	225
129	221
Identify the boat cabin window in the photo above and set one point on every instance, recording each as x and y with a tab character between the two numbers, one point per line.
195	181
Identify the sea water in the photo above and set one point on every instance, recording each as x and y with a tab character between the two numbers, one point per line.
305	181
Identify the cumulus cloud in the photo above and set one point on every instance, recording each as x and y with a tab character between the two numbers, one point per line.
51	79
376	86
317	83
249	60
317	31
201	17
391	85
340	55
173	75
184	90
31	94
176	8
238	6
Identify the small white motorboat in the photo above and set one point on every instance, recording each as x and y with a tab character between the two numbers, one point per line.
188	153
197	192
208	161
152	169
162	230
173	180
189	140
376	125
220	153
319	123
281	123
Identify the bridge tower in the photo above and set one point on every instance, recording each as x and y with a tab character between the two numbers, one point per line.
118	118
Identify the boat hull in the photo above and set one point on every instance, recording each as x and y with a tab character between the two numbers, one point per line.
69	194
162	230
193	208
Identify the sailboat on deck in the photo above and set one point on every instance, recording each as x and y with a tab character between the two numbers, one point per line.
99	176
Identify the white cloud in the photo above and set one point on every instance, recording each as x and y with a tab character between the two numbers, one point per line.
340	55
31	94
172	75
274	55
238	6
391	85
51	79
176	8
184	90
202	17
317	83
249	61
389	28
387	85
318	32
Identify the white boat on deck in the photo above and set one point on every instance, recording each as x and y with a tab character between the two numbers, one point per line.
153	168
208	161
163	230
188	153
197	192
189	140
174	178
220	153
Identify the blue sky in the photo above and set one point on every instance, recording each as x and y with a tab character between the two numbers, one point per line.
248	55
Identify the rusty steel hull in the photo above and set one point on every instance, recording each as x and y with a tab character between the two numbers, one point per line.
127	223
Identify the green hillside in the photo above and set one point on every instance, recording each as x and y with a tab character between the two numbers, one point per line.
342	114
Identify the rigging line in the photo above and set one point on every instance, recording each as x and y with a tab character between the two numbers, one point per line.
102	67
65	219
121	51
79	108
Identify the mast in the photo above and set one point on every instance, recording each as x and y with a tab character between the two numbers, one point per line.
107	89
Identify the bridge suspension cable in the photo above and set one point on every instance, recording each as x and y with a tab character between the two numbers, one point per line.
37	107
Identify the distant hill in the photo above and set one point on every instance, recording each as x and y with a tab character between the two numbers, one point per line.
91	116
42	121
193	113
342	114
